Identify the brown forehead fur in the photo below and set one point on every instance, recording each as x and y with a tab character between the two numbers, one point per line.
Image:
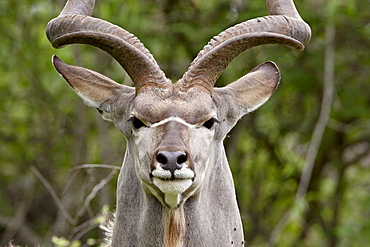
154	104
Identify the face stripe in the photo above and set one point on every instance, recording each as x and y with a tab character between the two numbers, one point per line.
177	119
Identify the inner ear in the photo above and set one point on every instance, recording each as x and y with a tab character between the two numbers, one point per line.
95	89
255	88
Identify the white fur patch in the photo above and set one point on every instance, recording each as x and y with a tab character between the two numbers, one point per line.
182	180
172	199
183	173
173	187
177	119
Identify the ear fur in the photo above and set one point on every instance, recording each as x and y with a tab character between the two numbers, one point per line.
95	89
255	88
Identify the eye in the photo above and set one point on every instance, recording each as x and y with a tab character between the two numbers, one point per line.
210	123
137	123
100	111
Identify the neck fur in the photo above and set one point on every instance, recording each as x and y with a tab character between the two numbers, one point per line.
174	227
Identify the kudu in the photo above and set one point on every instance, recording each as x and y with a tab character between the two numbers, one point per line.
175	187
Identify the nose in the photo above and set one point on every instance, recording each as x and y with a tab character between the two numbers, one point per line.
171	161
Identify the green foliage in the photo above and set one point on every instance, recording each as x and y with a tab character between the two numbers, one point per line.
45	126
63	242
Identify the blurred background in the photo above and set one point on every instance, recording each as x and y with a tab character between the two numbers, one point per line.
301	162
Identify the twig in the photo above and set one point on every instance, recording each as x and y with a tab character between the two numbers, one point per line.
53	195
94	191
317	135
84	166
324	114
69	183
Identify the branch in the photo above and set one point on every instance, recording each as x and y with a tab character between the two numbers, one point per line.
53	195
85	227
94	191
325	110
84	166
317	135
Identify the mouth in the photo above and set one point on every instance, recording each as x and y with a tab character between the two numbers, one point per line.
173	183
171	179
166	175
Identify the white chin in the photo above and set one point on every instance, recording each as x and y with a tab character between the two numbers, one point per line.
172	189
176	186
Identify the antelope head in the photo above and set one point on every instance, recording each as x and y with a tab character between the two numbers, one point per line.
174	131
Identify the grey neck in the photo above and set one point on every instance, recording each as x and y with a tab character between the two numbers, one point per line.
211	216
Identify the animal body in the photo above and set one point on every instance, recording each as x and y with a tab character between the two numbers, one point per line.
175	187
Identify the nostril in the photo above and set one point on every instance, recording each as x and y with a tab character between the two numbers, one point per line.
161	158
182	158
171	160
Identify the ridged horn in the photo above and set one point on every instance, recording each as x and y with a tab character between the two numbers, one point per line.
75	26
283	25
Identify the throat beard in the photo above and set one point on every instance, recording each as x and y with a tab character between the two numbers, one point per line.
174	227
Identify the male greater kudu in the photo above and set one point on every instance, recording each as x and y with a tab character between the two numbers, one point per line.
175	187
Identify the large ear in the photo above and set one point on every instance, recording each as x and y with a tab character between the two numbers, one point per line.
255	88
95	89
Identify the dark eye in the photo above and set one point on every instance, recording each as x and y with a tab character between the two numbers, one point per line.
100	111
210	123
137	123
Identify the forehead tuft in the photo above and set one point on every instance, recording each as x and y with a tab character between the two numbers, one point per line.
155	105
